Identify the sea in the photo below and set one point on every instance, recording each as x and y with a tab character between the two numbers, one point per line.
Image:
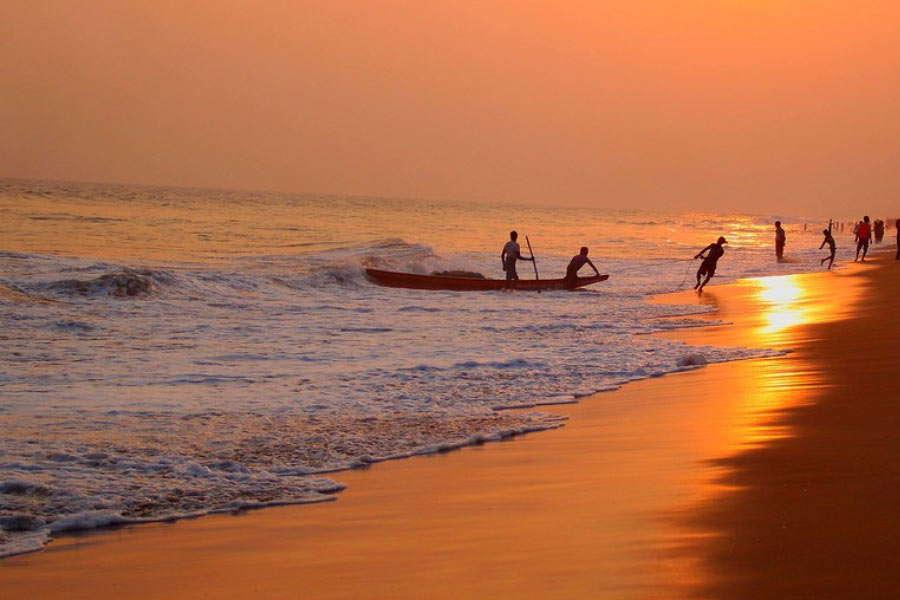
171	352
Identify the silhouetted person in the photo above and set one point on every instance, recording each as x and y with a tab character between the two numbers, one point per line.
863	235
510	254
897	225
578	261
879	231
829	239
708	266
780	239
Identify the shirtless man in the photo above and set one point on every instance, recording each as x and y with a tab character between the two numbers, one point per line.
578	261
829	239
708	266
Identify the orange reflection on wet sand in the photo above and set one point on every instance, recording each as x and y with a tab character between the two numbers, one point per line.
782	295
783	313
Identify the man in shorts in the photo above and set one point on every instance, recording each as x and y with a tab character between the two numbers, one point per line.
829	239
708	266
508	257
863	236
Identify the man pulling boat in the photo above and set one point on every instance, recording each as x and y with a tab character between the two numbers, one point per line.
578	261
708	266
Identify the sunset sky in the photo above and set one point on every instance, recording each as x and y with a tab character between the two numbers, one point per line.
790	105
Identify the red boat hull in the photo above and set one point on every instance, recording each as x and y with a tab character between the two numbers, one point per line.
466	284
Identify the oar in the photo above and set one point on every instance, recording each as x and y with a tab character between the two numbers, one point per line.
533	262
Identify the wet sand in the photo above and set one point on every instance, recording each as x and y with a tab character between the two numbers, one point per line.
631	499
815	514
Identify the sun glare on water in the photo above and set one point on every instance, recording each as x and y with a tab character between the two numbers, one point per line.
782	294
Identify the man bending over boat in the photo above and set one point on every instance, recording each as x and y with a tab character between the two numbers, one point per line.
578	261
708	266
509	256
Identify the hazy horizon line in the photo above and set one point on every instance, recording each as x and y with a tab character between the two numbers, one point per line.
467	201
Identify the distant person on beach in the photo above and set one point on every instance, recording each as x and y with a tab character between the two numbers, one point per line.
578	261
511	253
879	231
829	239
863	235
708	266
780	239
897	225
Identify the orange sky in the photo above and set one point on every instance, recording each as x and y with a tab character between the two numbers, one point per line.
765	105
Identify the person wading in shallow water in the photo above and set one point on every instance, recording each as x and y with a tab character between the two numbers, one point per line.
708	266
780	239
863	237
578	261
830	241
510	254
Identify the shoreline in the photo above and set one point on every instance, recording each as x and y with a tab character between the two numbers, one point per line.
103	520
634	390
812	512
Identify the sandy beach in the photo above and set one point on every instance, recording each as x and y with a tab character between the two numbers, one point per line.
813	514
718	482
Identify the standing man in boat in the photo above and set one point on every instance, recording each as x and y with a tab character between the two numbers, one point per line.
578	261
511	253
708	266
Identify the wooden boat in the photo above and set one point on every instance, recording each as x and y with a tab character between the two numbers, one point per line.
472	284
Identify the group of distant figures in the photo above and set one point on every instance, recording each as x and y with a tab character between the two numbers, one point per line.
864	231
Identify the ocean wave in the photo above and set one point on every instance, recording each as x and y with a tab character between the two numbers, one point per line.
325	276
125	283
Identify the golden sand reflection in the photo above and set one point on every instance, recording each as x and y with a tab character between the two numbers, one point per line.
777	312
739	403
783	303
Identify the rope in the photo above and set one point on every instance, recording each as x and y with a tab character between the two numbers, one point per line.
683	280
686	271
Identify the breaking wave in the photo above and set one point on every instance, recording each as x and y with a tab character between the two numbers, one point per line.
125	283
